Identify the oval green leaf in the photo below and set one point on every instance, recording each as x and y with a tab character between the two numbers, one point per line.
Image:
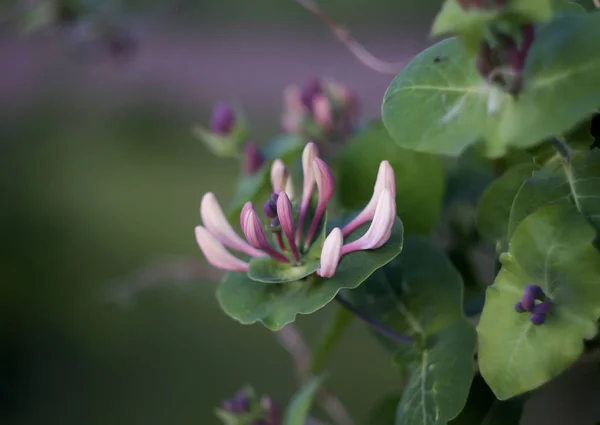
277	304
439	104
553	249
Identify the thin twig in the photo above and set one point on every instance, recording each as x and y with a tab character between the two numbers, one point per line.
357	49
378	326
291	339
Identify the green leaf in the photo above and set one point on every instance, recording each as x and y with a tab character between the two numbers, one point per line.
419	177
560	182
277	304
440	104
553	249
493	211
471	24
420	294
384	412
483	408
265	269
567	6
298	410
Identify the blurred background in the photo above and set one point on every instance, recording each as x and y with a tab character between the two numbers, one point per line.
100	177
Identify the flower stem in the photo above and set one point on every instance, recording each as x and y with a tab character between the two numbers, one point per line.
378	326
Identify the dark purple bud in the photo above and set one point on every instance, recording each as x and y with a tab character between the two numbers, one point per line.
223	119
276	222
519	307
274	198
253	158
528	35
537	291
543	308
313	88
270	209
537	319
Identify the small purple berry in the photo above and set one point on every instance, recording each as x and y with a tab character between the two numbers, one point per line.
543	308
519	307
537	319
223	119
528	300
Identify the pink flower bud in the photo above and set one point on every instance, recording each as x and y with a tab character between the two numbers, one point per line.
325	185
385	180
309	154
279	176
217	224
331	253
255	234
322	111
381	227
216	254
286	220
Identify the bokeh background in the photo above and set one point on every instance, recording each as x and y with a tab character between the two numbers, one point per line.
101	177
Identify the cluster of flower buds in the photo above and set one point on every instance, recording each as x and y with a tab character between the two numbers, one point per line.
245	408
529	303
323	111
294	226
503	63
227	131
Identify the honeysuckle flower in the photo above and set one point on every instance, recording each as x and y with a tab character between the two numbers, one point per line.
216	254
385	180
331	253
223	119
323	111
286	219
253	158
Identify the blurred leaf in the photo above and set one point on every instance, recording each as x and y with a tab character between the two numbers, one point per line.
483	408
551	248
470	24
419	177
330	337
384	412
298	410
286	147
560	182
493	211
440	104
420	294
277	304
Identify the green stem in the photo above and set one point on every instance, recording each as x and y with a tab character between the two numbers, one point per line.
329	338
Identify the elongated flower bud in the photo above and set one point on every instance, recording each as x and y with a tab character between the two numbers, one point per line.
255	234
325	185
381	227
216	254
309	154
385	180
216	222
537	319
331	253
279	176
543	307
223	119
286	220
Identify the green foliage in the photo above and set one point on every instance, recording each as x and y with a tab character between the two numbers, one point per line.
440	104
551	248
420	294
277	304
419	177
